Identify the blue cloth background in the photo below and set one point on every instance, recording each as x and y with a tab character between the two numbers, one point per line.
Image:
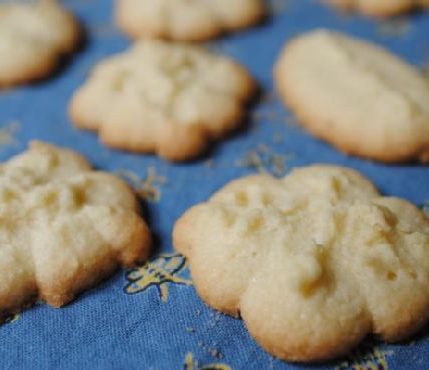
148	325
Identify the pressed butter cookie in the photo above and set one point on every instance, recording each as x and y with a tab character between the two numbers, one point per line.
33	37
169	99
64	227
380	8
313	262
186	20
357	96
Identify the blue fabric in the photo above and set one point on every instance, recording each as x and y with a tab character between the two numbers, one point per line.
151	318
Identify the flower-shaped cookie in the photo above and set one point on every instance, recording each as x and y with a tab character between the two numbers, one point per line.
356	95
313	263
380	8
33	37
164	98
186	20
64	227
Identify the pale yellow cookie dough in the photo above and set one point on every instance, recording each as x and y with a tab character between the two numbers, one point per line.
186	20
64	227
163	98
33	37
356	95
313	262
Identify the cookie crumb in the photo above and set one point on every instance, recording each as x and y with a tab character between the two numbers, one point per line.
215	353
10	319
211	350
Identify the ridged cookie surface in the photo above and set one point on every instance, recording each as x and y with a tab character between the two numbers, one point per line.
380	8
64	227
356	95
186	20
33	36
313	262
164	98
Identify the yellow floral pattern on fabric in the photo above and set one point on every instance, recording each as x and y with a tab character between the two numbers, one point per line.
191	364
149	188
367	357
8	134
394	28
264	160
158	272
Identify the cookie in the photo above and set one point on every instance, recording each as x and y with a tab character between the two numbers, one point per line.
380	8
33	37
313	262
64	227
186	20
356	95
169	99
